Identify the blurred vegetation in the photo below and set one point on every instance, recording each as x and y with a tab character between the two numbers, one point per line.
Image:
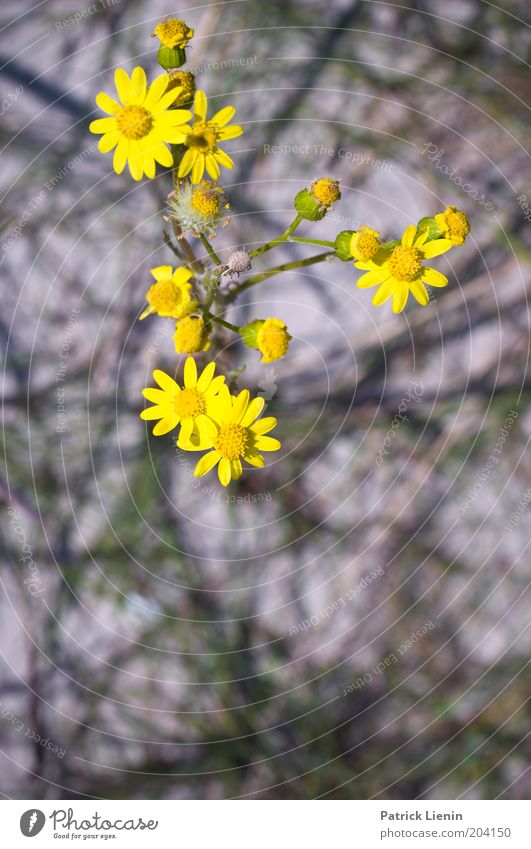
159	653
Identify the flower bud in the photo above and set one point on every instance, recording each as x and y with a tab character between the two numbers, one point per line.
269	336
174	35
342	245
308	207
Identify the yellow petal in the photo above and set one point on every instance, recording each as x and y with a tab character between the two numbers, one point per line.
165	425
120	155
162	272
156	90
187	162
418	290
162	154
212	166
138	84
267	443
200	106
199	168
190	373
206	463
224	471
187	426
254	458
400	299
206	377
263	425
239	406
236	469
108	104
158	396
434	278
382	295
230	132
409	235
165	381
123	86
103	125
253	411
435	248
223	159
223	116
371	278
108	141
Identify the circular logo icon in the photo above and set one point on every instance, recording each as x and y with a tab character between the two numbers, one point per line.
32	822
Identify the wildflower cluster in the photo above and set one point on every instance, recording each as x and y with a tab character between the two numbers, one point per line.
168	123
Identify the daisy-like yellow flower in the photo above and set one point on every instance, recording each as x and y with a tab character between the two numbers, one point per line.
202	139
141	125
189	405
402	272
191	335
170	297
234	433
454	225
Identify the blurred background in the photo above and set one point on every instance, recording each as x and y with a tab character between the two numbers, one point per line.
353	620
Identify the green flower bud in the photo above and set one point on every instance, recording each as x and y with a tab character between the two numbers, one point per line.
249	333
171	57
308	207
342	245
428	223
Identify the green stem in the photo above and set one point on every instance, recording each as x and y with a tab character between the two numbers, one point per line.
287	266
209	249
279	240
312	242
219	320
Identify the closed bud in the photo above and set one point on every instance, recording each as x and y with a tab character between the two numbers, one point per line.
171	57
342	245
308	207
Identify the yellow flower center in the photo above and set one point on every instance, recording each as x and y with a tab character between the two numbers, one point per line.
273	340
365	244
203	137
458	226
165	296
232	440
134	122
189	403
326	191
190	336
206	202
173	33
405	263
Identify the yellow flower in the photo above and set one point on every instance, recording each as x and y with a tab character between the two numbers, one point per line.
169	297
202	141
191	335
454	225
365	244
173	33
188	405
234	434
402	272
141	125
326	191
272	340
